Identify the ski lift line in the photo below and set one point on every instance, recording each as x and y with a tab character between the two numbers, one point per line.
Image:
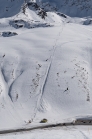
47	71
50	63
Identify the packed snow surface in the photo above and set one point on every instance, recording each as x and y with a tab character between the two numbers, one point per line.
55	133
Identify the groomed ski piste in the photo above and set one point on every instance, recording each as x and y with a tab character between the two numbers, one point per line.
45	70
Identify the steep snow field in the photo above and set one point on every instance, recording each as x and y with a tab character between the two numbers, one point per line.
45	69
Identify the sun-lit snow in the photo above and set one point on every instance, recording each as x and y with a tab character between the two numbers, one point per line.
45	69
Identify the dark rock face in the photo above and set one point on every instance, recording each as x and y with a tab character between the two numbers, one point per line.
27	24
8	34
80	8
40	12
13	7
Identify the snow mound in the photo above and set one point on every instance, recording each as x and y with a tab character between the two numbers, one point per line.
88	22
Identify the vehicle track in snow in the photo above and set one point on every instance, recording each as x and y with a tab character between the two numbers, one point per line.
82	122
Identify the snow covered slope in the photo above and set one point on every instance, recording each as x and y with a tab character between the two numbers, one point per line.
45	65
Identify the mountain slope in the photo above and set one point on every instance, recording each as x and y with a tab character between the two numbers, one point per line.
45	65
79	8
7	8
67	89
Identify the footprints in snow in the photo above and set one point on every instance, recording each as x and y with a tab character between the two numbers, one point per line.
64	81
81	75
35	81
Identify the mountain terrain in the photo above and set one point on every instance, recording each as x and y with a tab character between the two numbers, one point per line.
74	8
45	62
